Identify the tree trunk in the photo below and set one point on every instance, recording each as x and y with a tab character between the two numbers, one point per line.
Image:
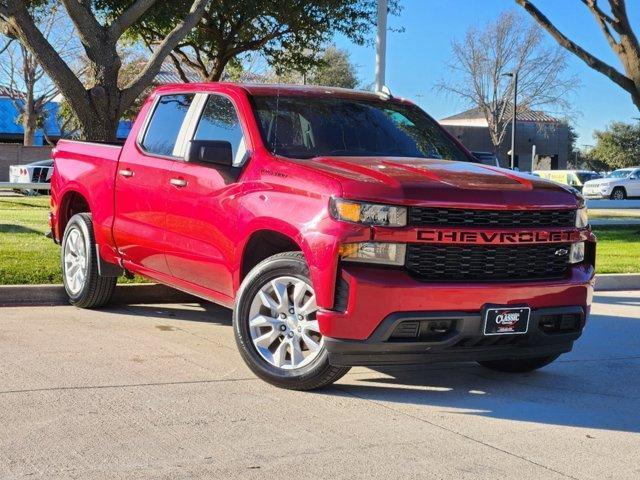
29	125
29	117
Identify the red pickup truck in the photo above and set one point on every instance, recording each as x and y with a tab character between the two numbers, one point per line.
343	228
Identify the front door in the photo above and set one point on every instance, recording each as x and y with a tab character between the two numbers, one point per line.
199	228
142	186
633	185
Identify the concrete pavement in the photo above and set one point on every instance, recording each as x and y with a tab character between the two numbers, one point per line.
143	391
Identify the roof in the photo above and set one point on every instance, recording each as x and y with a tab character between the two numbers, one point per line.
9	115
270	89
169	73
523	115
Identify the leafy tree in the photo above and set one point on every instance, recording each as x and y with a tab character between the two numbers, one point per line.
618	145
620	36
333	69
95	97
284	31
22	77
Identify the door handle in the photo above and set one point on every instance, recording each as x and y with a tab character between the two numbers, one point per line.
178	182
125	172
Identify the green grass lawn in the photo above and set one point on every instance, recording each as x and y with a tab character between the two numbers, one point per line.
28	257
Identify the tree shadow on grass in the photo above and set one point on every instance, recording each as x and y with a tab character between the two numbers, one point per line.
12	228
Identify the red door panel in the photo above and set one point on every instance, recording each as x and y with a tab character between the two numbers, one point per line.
197	228
142	186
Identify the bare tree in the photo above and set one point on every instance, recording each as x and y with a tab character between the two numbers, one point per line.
98	102
24	80
480	64
619	34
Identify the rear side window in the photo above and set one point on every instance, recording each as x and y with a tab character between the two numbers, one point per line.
165	124
220	122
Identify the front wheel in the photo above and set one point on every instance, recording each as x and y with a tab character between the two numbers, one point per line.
84	286
276	329
520	365
618	193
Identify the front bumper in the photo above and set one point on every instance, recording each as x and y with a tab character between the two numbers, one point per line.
599	192
552	331
366	296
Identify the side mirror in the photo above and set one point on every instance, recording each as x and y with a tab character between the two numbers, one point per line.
210	151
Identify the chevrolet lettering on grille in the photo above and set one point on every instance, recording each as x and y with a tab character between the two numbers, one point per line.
496	237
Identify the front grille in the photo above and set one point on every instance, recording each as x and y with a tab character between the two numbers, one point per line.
456	217
487	263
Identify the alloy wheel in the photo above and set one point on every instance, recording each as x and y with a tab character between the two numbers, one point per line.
283	325
75	261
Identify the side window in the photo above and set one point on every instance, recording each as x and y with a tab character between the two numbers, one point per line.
219	121
166	121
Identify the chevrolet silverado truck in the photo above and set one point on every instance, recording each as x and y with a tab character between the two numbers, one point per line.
344	228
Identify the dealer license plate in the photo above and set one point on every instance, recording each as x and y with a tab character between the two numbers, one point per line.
506	320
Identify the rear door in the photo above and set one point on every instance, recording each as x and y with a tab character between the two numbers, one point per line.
142	184
199	224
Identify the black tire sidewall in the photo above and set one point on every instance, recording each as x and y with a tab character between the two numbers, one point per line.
79	221
277	266
618	189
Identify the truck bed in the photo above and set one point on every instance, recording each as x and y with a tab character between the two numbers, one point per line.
88	168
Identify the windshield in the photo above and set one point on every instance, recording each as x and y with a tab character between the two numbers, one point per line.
307	127
586	176
620	174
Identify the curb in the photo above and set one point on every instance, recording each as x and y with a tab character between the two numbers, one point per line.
150	293
44	295
617	281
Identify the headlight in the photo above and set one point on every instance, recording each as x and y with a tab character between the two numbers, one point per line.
582	219
368	213
374	252
576	254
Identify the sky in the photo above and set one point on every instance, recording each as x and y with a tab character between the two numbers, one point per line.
417	57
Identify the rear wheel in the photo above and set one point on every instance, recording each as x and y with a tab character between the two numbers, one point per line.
84	287
618	193
520	365
276	328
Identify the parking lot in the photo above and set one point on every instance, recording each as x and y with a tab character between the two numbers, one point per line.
147	391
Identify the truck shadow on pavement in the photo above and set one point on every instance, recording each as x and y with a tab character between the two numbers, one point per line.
596	386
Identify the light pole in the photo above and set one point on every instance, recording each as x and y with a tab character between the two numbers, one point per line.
381	44
514	75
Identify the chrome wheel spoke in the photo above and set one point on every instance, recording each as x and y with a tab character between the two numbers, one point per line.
263	321
280	289
310	343
296	352
309	307
280	355
266	339
267	301
299	291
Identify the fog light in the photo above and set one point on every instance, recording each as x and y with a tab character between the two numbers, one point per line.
576	254
373	252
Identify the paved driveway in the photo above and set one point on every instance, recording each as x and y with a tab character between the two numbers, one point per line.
159	392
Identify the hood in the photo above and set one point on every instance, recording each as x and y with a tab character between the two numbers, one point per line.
419	181
605	181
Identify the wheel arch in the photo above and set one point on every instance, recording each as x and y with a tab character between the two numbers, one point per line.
72	202
263	244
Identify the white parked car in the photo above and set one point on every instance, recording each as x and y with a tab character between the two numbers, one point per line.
35	172
619	185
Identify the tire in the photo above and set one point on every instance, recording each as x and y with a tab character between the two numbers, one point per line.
258	314
88	290
618	193
521	365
